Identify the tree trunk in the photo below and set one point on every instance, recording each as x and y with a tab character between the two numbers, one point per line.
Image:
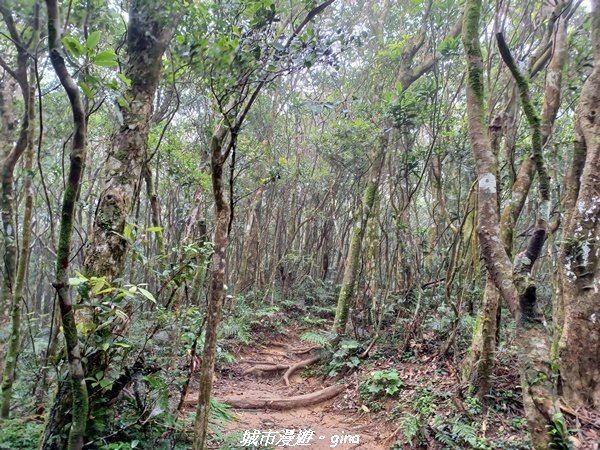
79	411
216	296
15	269
579	348
155	212
148	35
250	244
520	293
479	361
361	217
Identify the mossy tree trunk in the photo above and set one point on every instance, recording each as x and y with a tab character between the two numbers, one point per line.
408	74
579	347
480	358
360	219
79	404
519	292
15	265
150	28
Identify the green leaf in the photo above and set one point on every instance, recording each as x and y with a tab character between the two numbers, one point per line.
128	232
154	229
106	58
122	345
98	284
124	79
147	294
121	315
123	102
77	281
73	46
92	40
86	90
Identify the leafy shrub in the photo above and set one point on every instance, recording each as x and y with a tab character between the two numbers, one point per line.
19	434
380	383
346	357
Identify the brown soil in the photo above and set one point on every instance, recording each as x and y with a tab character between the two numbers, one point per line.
331	421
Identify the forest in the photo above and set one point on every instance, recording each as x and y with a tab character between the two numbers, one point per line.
352	224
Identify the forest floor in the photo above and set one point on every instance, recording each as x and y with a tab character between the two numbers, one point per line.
432	409
333	424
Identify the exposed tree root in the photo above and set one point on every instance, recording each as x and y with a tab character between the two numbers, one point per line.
282	404
301	351
266	367
297	366
272	352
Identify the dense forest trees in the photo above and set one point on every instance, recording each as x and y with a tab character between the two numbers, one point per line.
394	200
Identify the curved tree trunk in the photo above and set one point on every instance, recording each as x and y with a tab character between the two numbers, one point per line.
15	266
579	348
79	404
479	361
518	293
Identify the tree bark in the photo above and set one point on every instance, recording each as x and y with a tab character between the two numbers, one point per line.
519	293
479	361
361	217
579	347
79	411
250	244
216	296
15	266
148	35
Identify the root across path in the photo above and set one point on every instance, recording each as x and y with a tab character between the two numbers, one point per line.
267	392
285	403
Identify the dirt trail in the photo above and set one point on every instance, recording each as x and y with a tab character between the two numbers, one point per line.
333	427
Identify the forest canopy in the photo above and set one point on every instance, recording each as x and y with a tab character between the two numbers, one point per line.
331	223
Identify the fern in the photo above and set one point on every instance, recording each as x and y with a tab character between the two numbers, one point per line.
312	321
411	427
314	338
219	412
439	426
445	438
235	330
266	311
225	357
466	433
322	309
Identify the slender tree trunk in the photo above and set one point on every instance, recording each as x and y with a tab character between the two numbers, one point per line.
250	244
361	217
15	268
79	410
216	296
155	211
9	372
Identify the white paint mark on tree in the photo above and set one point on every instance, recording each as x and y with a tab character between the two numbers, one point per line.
487	183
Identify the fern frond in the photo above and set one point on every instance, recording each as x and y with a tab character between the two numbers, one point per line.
314	338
